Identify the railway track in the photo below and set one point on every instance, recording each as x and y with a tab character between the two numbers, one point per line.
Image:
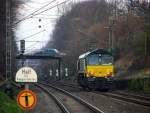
134	96
140	100
73	103
72	86
58	102
127	97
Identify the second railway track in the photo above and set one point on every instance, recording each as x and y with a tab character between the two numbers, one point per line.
72	103
127	97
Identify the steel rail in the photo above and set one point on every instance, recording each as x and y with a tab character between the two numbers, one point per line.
90	106
137	99
71	85
59	103
127	99
134	96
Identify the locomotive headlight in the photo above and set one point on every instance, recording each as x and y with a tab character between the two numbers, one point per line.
90	73
109	74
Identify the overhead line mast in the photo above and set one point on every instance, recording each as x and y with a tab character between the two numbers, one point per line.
8	40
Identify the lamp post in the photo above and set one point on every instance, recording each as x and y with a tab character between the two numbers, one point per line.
110	36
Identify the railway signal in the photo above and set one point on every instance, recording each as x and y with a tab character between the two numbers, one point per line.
22	46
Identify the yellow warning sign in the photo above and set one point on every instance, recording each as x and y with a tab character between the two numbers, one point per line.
26	99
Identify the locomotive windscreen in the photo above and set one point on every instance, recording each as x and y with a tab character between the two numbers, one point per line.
99	59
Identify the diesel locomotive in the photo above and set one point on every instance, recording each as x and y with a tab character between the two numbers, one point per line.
95	69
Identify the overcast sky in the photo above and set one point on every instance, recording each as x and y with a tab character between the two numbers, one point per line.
42	24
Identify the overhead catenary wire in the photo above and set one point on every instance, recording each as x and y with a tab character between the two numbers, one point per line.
44	18
33	34
56	15
50	8
31	7
34	41
31	49
33	12
32	45
35	2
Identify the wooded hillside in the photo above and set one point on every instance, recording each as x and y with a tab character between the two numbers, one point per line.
86	25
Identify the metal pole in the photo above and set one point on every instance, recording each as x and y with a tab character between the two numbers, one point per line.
109	40
57	74
145	44
59	68
112	42
8	39
26	86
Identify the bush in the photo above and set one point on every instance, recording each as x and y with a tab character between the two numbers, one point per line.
142	84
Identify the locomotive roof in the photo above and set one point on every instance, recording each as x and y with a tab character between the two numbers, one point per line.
97	51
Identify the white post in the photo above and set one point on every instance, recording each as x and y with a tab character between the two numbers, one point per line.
50	72
57	73
66	72
26	86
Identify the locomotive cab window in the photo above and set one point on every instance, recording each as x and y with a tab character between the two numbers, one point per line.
93	59
106	59
81	65
100	59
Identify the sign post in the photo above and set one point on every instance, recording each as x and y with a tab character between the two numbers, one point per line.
26	86
26	98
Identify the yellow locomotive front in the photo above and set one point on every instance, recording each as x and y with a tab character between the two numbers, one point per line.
95	69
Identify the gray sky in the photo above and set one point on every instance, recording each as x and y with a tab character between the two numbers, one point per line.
30	26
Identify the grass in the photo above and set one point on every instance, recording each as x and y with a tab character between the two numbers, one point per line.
7	105
142	84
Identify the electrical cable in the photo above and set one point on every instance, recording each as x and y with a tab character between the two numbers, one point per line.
49	15
31	7
33	41
32	45
34	12
50	8
33	34
44	18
